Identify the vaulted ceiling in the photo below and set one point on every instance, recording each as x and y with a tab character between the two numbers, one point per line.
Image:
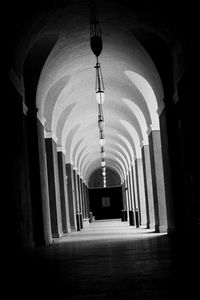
65	95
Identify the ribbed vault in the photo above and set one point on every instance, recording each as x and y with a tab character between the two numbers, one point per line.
66	91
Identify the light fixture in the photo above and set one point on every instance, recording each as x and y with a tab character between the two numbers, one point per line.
97	46
99	86
102	141
103	163
100	97
102	152
95	31
101	123
101	138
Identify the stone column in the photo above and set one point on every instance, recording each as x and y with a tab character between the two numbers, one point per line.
82	197
141	192
63	191
77	198
44	182
84	200
124	200
87	198
32	173
131	187
148	186
71	196
53	184
158	181
80	200
124	196
80	194
131	210
127	197
136	195
76	191
129	190
174	186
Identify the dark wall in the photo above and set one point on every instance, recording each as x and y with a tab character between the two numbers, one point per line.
18	212
96	206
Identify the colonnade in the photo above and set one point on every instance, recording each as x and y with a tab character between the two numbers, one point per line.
144	196
144	199
67	197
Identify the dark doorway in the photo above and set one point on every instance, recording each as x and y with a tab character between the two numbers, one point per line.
106	203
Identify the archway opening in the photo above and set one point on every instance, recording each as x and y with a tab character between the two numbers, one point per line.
105	202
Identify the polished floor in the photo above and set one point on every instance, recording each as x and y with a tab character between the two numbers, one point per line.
109	259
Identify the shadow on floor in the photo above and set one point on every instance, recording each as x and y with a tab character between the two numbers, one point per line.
135	266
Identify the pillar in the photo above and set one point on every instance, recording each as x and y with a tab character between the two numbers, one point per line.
127	197
76	193
87	198
136	194
53	185
44	182
33	126
80	200
63	191
148	186
124	196
133	187
172	168
71	196
131	198
80	194
129	190
83	199
158	181
141	192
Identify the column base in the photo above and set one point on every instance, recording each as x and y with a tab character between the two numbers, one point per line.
124	217
56	235
73	228
161	228
131	218
150	225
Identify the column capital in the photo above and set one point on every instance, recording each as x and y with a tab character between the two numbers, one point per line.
50	134
61	149
144	142
41	118
152	127
75	168
161	107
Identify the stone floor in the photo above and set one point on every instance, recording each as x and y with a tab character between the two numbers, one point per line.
109	260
